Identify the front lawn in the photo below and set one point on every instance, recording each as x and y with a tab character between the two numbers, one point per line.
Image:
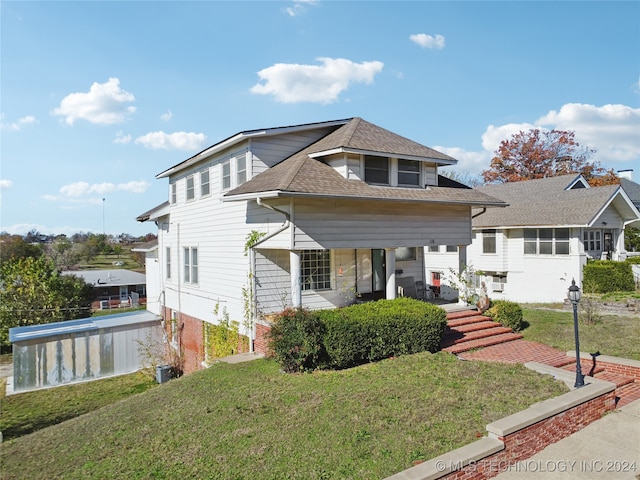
614	335
252	421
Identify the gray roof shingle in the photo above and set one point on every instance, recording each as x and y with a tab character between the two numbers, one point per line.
544	202
300	174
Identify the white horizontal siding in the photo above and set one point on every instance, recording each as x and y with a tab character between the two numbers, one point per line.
344	224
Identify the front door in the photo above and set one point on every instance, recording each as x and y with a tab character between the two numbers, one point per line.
379	276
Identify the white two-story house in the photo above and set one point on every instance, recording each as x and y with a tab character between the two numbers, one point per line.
316	216
531	250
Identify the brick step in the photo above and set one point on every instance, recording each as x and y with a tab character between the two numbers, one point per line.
457	322
472	327
619	380
481	342
462	314
627	393
586	367
455	337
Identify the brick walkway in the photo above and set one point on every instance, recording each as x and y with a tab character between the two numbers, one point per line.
518	350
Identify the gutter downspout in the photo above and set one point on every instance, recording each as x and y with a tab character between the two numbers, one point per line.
252	264
484	210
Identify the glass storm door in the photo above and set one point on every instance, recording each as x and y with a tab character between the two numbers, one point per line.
379	271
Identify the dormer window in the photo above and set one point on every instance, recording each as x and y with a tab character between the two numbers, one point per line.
408	173
376	170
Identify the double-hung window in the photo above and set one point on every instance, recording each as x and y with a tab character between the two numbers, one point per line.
205	188
167	261
376	170
173	194
190	265
546	241
241	169
191	188
226	174
316	270
408	173
488	241
592	240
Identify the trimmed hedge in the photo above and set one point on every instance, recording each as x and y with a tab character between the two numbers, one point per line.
506	313
295	339
350	336
605	276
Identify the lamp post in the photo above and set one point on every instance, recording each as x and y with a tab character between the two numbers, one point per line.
574	297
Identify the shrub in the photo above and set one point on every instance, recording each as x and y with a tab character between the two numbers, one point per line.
603	276
376	330
508	314
633	260
295	339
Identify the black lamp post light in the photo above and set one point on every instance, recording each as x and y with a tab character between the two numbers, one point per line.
574	296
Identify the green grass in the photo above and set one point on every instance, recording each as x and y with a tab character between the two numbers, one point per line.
31	411
106	262
252	421
613	335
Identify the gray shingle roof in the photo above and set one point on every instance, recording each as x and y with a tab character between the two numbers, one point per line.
544	202
632	189
109	278
302	175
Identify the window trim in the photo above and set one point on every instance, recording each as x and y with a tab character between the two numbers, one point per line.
307	264
553	241
207	183
167	263
490	233
190	196
402	171
371	158
190	274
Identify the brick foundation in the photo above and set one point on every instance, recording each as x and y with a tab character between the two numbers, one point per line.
261	344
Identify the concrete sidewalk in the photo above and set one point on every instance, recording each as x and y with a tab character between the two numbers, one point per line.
607	448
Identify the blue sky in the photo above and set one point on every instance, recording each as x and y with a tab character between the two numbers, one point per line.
99	97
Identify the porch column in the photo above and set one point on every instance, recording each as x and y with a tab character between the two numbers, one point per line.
462	264
390	260
296	281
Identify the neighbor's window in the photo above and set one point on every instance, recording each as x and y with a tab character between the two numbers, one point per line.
452	248
592	240
174	195
316	270
168	262
546	241
405	254
408	172
226	174
191	190
488	241
434	248
190	265
205	189
376	169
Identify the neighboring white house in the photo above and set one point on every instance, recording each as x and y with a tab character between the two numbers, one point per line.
532	249
338	210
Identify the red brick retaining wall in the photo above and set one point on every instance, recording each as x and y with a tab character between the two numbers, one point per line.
524	443
626	370
260	344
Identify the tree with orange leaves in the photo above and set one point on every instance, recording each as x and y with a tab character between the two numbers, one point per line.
540	154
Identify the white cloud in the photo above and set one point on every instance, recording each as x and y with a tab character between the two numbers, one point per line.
434	42
80	189
5	184
172	141
612	130
122	138
105	103
299	7
166	116
18	124
292	83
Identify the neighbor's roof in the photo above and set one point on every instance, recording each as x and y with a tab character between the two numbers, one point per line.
548	202
632	189
67	327
146	247
303	175
155	212
109	278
